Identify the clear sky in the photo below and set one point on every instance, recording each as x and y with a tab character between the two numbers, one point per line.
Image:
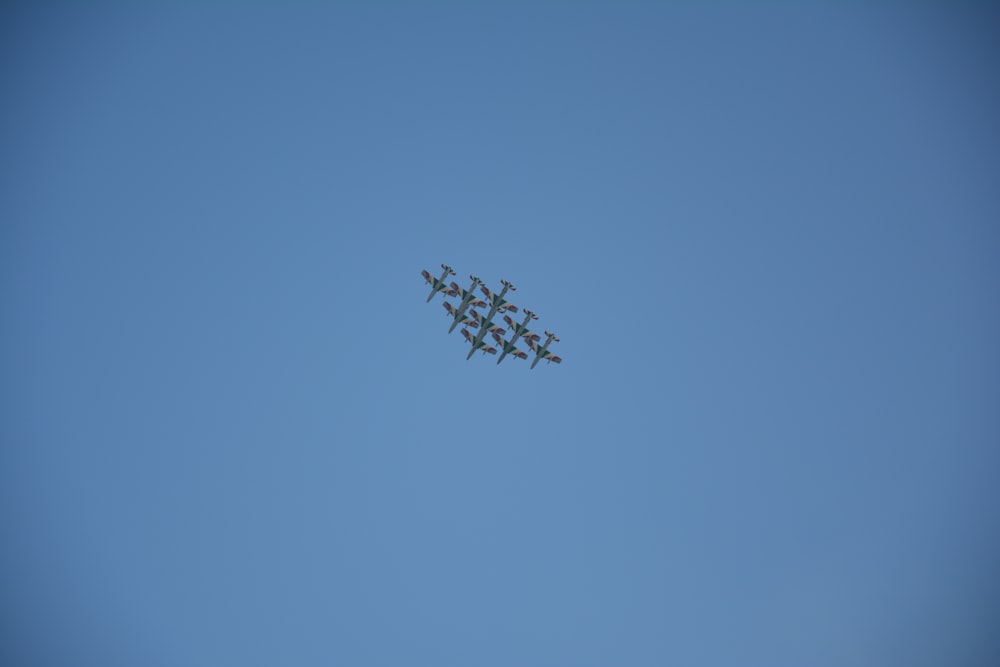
234	434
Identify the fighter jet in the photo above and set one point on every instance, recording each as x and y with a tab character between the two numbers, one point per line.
472	320
481	321
469	298
498	303
477	345
497	300
438	283
508	348
521	329
517	331
542	352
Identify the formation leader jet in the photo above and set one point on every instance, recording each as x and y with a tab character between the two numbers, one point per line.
438	284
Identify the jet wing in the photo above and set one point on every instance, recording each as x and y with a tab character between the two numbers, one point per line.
527	334
547	355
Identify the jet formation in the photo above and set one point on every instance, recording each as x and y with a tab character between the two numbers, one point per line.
464	313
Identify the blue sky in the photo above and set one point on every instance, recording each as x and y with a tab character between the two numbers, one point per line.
234	433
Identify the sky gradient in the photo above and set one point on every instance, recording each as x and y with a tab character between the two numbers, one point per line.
234	433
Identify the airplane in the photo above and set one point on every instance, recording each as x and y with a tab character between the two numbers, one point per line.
498	304
472	320
469	298
517	330
438	283
497	300
522	329
477	344
490	325
508	347
542	352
